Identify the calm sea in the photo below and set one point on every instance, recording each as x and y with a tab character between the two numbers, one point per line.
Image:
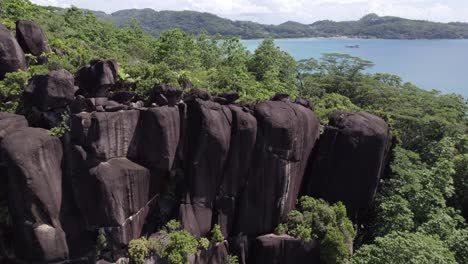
429	64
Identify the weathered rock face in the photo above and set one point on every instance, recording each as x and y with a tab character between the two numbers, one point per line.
97	78
209	135
11	55
113	195
10	123
350	159
273	249
165	94
31	38
106	135
35	194
286	134
158	137
243	137
50	91
217	254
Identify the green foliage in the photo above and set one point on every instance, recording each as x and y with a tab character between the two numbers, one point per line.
216	235
232	259
329	103
138	250
315	218
62	128
204	243
173	225
403	247
101	242
181	244
458	244
11	89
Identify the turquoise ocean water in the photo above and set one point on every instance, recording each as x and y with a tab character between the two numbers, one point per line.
429	64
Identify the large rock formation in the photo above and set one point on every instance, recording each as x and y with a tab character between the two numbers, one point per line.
11	55
350	160
286	135
50	91
113	195
106	135
35	194
96	79
125	169
31	38
234	178
209	135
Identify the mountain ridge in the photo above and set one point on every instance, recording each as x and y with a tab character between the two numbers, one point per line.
369	26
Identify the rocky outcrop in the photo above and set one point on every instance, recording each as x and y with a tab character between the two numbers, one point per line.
106	135
96	79
127	167
234	178
113	195
350	160
273	249
165	94
33	160
11	55
9	123
50	91
286	135
209	135
32	38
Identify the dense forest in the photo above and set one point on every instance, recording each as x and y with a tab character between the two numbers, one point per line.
370	26
422	204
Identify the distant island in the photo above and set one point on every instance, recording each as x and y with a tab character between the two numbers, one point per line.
370	26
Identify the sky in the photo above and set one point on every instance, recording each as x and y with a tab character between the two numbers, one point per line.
279	11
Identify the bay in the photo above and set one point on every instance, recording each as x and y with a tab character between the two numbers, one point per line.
429	64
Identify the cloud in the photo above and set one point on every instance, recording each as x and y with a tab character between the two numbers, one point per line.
278	11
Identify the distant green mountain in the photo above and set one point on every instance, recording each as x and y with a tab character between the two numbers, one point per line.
370	26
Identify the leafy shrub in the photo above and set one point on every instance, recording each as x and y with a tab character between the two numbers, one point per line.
101	242
138	250
181	244
315	218
216	235
232	259
204	243
63	128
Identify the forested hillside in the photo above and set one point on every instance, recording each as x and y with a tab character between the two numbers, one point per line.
421	207
370	26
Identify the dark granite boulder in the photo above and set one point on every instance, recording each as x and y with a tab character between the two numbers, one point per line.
11	55
105	135
49	91
286	135
350	160
197	94
165	94
123	97
31	38
209	135
158	137
273	249
281	97
35	194
10	123
96	79
113	195
304	102
243	136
